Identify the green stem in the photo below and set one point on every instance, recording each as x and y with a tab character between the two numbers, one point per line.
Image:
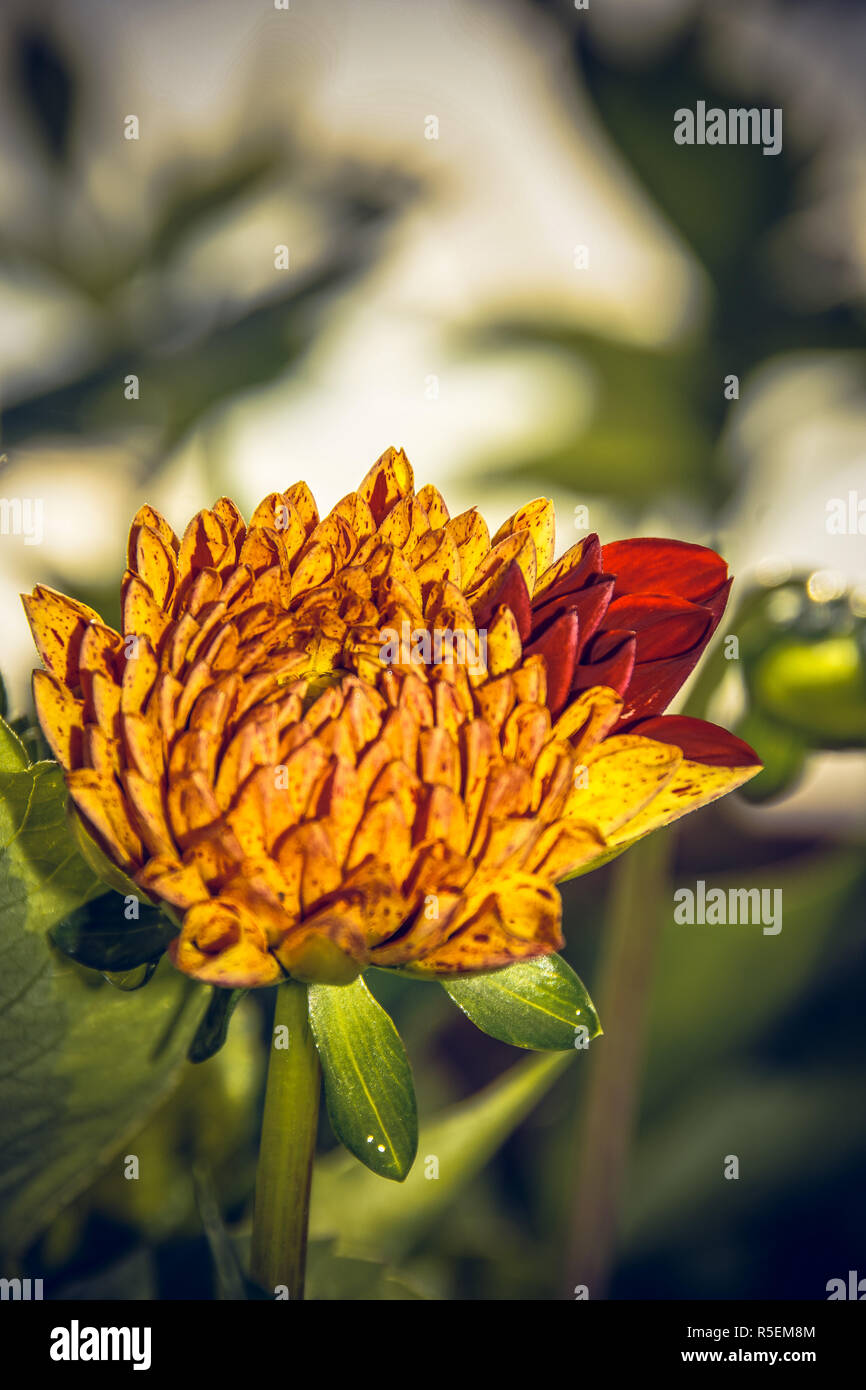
288	1143
606	1119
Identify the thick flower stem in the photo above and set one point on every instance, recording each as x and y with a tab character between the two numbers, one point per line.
288	1143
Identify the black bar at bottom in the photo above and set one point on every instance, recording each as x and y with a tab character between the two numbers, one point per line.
254	1339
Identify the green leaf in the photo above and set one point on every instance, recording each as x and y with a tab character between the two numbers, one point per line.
42	877
214	1027
212	1118
84	1064
364	1215
100	937
536	1003
16	783
368	1083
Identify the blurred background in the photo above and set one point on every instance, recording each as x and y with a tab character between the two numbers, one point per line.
242	245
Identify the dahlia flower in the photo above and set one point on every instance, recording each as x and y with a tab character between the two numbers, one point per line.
305	800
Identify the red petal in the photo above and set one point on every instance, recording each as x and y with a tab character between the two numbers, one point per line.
590	605
558	646
700	741
611	663
647	565
511	591
654	684
665	626
716	603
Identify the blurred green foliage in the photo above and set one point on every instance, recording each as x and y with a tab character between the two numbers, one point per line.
653	435
193	360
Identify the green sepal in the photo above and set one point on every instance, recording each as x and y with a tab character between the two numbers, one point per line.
99	935
539	1003
369	1090
214	1027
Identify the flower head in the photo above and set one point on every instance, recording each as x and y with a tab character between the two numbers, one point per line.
302	802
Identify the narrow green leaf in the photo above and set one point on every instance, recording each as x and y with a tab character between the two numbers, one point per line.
214	1027
368	1083
537	1003
228	1275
